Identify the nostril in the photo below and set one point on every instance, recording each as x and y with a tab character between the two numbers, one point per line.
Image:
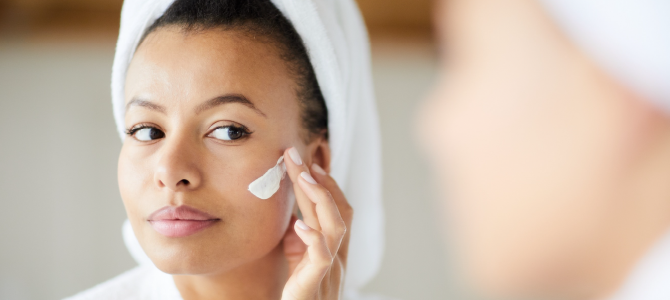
184	182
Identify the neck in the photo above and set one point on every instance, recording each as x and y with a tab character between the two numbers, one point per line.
261	279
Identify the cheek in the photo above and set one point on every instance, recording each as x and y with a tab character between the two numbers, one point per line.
229	176
250	227
135	178
261	222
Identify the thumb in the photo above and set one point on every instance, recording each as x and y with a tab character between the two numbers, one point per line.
294	248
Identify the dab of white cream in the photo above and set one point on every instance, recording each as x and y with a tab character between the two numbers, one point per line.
268	184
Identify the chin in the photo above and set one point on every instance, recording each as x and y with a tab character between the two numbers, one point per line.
180	269
192	255
185	261
203	255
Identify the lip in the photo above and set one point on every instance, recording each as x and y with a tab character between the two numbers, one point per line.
180	221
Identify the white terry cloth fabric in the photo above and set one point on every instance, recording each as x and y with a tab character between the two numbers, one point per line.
630	39
337	43
651	278
144	282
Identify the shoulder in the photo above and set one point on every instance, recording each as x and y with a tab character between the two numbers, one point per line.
126	286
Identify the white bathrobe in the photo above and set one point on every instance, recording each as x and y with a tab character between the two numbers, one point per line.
144	282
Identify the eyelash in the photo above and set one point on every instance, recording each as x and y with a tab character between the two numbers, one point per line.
131	131
245	131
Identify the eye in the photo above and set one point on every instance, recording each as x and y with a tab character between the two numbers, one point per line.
229	133
145	134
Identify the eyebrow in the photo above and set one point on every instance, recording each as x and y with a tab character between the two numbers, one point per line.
209	104
145	104
225	99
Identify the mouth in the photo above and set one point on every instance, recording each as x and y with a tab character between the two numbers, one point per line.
180	221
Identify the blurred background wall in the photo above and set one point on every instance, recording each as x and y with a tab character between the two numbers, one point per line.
61	213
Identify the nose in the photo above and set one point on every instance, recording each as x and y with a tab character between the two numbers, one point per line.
177	168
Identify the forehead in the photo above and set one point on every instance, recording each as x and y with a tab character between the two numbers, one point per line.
176	67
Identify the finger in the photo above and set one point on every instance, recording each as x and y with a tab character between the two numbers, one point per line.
332	225
294	248
316	244
324	179
345	209
295	166
316	264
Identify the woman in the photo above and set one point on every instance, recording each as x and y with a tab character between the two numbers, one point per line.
551	126
208	95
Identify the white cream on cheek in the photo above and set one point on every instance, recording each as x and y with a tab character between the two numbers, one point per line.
268	184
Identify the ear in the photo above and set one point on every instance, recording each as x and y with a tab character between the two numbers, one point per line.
319	152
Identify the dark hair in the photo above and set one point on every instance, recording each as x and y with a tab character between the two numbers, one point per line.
258	19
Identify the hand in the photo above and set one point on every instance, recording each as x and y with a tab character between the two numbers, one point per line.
317	259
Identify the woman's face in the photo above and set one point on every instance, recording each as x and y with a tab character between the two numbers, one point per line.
534	146
208	113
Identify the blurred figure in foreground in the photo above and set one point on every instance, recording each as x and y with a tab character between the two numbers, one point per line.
550	127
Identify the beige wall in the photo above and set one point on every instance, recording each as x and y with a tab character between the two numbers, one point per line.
60	214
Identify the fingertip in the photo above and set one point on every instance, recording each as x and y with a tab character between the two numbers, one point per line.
295	156
308	177
317	169
301	225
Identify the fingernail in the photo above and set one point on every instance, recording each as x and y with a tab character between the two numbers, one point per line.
307	177
318	169
301	225
295	156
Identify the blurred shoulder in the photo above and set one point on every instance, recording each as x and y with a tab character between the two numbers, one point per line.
134	284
